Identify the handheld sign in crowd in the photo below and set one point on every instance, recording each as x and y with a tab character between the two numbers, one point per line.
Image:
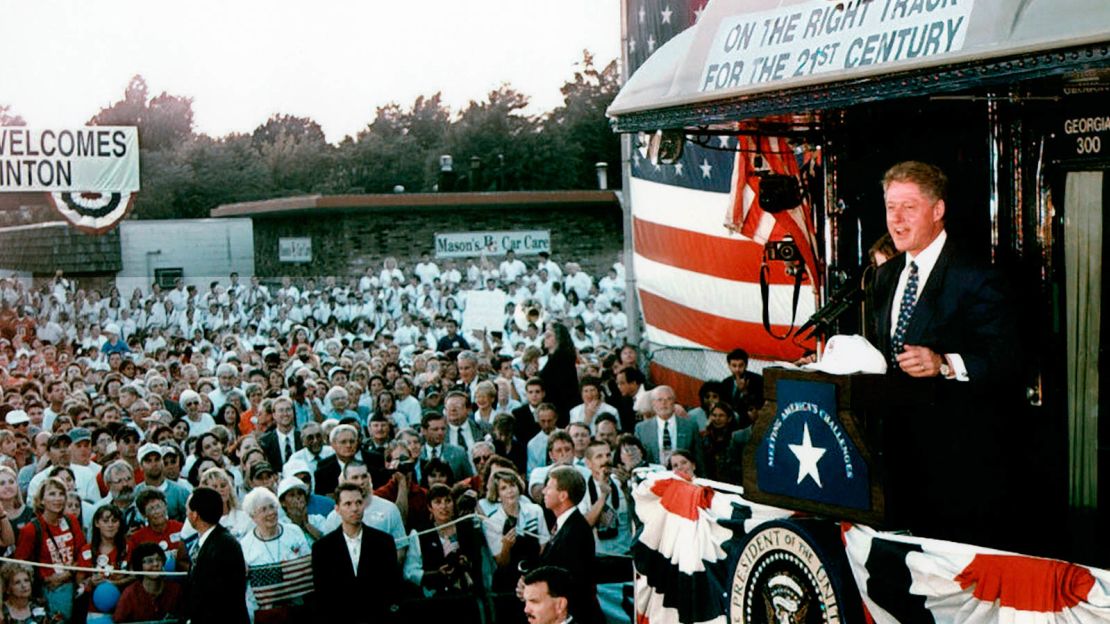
485	310
90	174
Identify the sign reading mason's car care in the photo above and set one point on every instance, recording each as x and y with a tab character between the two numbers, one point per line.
471	244
806	452
819	36
98	159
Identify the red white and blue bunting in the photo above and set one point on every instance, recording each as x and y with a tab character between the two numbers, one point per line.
701	548
94	213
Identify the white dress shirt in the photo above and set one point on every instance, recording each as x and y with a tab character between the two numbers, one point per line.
282	438
354	548
672	426
463	431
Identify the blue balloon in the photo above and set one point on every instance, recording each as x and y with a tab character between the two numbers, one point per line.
105	597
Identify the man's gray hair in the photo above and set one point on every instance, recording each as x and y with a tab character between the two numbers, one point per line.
227	368
481	444
340	429
116	466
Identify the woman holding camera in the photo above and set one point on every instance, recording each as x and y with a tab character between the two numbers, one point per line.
445	560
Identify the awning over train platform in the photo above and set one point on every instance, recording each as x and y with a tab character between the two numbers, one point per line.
748	58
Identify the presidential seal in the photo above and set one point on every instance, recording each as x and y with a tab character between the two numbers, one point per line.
780	578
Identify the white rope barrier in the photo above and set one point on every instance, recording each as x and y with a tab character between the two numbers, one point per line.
109	570
485	520
100	570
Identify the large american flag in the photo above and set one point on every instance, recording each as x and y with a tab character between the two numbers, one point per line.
697	261
278	583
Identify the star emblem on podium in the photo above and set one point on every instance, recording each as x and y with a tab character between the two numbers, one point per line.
808	456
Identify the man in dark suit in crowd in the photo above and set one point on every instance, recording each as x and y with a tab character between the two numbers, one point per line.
743	389
631	387
355	570
946	327
572	543
283	440
218	575
434	427
462	430
345	443
526	425
667	431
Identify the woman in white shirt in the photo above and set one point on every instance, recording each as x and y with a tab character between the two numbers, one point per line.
515	532
270	542
234	519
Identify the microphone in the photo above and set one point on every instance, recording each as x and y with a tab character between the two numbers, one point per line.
839	303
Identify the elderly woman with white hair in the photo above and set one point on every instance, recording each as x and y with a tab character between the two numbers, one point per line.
270	543
199	421
337	405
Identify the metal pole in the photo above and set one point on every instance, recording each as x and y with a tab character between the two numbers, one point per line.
631	305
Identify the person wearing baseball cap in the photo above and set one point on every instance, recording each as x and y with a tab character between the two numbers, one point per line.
154	478
18	419
115	342
81	450
172	464
262	475
58	449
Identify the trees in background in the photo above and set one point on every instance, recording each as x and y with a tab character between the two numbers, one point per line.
495	143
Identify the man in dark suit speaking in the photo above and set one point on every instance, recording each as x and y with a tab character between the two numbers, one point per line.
948	331
218	575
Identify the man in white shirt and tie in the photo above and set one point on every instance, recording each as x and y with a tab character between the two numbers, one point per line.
314	449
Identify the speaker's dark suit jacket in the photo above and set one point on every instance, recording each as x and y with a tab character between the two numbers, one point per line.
343	596
945	441
218	581
572	548
269	444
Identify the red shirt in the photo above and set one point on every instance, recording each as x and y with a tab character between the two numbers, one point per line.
61	544
136	605
418	501
169	539
113	559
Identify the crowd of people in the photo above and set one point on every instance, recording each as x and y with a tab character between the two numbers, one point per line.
328	451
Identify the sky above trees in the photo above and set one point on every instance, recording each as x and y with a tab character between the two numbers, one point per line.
335	62
186	173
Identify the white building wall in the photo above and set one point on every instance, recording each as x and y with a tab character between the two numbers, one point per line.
205	249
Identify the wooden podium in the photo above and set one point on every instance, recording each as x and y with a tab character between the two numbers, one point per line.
822	456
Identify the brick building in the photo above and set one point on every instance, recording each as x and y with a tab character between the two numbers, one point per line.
347	233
